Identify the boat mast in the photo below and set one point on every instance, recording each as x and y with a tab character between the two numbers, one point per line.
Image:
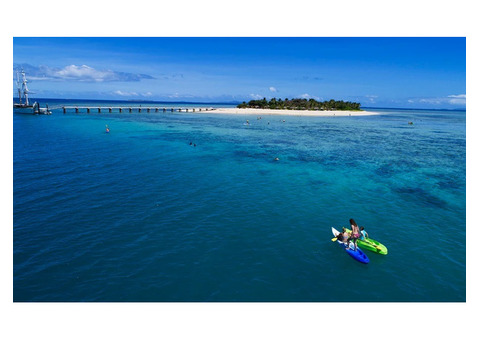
18	88
24	87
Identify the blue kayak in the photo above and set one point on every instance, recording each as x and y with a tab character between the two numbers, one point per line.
358	254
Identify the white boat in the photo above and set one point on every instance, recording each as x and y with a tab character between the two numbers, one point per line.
25	106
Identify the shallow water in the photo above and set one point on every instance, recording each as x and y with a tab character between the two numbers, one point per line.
139	214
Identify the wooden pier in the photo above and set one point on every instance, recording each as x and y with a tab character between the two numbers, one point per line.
131	109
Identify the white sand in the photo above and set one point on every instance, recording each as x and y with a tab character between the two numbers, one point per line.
262	112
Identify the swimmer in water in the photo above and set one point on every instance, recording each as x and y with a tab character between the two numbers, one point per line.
107	130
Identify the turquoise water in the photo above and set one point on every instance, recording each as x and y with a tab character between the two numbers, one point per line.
139	214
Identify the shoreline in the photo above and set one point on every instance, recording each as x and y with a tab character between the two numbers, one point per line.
260	112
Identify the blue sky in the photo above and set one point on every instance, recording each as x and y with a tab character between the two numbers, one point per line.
377	72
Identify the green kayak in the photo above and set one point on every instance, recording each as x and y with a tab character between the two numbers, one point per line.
371	245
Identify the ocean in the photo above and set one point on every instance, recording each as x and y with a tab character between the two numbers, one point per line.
141	215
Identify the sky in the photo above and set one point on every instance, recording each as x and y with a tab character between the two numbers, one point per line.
392	72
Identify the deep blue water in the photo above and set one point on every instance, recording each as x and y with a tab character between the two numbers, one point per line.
139	214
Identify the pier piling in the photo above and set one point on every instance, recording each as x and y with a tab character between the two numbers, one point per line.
131	109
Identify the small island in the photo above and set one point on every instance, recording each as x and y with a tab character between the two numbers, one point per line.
301	104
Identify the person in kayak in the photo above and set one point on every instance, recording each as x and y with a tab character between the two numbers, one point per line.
355	235
363	233
343	236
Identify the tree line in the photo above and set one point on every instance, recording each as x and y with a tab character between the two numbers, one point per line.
300	104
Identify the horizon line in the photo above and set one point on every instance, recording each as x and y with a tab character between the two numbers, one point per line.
227	102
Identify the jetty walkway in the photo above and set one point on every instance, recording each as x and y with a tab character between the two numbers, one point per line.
130	109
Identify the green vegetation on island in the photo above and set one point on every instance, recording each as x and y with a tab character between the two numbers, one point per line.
300	104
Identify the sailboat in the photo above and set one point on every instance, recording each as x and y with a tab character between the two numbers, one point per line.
25	106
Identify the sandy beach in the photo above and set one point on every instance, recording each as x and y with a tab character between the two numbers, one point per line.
262	112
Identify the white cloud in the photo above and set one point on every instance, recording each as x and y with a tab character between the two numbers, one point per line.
177	95
272	89
256	96
371	98
132	94
78	73
454	99
459	99
307	96
431	100
83	72
125	94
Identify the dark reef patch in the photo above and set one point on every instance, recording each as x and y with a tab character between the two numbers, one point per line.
247	154
385	170
421	196
304	158
264	172
317	183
